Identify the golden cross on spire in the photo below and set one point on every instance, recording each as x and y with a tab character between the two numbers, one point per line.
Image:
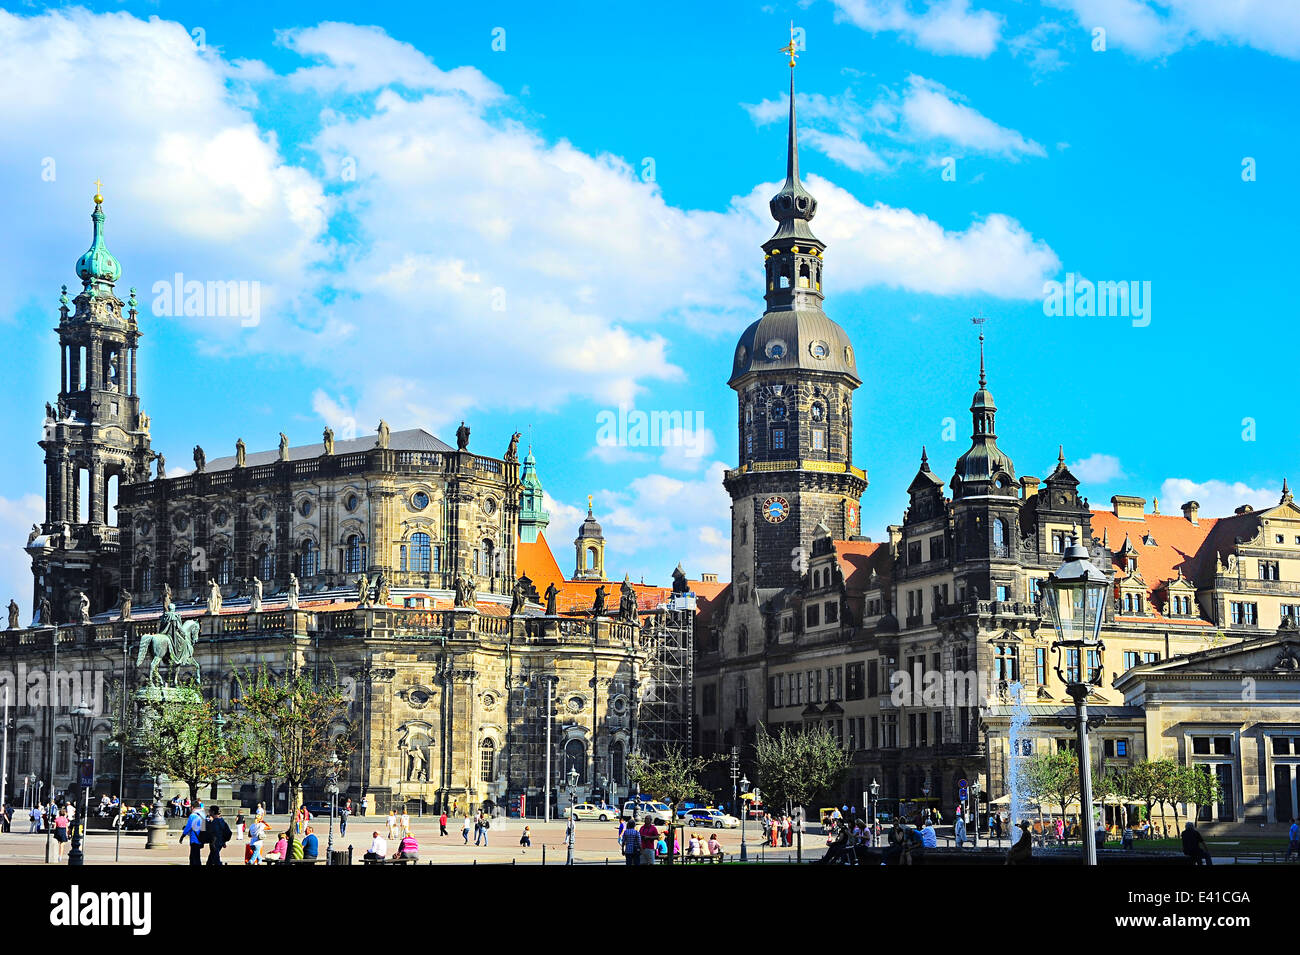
791	49
99	188
589	499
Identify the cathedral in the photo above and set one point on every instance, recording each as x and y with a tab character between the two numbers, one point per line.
821	625
416	570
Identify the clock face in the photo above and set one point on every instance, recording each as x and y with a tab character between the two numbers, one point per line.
776	509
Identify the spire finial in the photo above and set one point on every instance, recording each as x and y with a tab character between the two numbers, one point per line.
792	48
925	461
979	321
1060	455
1287	497
792	148
589	500
99	191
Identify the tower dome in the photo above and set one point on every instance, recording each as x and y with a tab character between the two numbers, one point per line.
97	264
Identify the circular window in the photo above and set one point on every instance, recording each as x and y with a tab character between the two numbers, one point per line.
490	506
305	507
351	503
776	349
819	350
419	500
620	704
418	698
575	704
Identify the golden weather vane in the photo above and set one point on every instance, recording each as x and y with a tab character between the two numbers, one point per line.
792	48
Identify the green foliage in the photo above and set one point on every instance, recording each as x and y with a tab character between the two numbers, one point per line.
1052	778
292	726
674	779
182	739
796	768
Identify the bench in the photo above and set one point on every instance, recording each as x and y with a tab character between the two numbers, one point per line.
716	857
291	861
365	861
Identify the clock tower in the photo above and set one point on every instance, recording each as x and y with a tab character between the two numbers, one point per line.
794	374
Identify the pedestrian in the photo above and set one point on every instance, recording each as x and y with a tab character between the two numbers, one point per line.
525	838
442	823
1126	841
649	837
34	819
478	826
61	823
193	832
406	823
1293	840
343	817
487	824
772	837
218	831
392	825
240	824
256	837
959	830
365	804
464	830
789	831
631	844
1194	846
622	826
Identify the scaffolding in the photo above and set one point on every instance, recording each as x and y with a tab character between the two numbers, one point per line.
667	680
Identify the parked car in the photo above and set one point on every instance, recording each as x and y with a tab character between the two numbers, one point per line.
708	819
318	808
656	812
588	810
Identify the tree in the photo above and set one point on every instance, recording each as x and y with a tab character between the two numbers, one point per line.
1198	787
674	779
1144	784
1167	789
184	740
1052	776
795	768
289	726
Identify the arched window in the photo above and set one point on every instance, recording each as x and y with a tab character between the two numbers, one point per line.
146	575
421	556
617	758
591	558
487	759
575	760
354	555
489	558
225	567
1128	603
805	276
999	531
308	559
184	578
265	562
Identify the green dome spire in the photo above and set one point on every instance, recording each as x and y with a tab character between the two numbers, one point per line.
98	264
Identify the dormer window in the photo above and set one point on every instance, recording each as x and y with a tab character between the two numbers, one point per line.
1131	564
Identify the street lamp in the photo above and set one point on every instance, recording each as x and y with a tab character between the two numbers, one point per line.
333	790
744	789
1076	596
568	832
975	805
83	720
874	789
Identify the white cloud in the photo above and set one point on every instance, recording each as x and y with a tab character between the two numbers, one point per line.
932	112
1156	28
941	26
1097	469
1217	498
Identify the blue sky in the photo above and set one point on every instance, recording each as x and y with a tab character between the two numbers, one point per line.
525	221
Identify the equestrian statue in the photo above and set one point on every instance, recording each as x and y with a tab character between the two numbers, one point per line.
175	644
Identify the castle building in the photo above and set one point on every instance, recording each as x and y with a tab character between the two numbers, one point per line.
915	649
416	571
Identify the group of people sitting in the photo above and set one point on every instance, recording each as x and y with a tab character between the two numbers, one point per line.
407	848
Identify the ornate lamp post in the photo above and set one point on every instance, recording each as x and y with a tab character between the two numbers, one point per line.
333	789
744	813
1076	596
874	789
568	832
83	718
975	815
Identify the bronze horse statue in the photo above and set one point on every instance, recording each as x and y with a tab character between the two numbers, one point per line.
177	650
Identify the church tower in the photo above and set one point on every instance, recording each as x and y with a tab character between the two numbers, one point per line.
794	375
590	547
533	516
95	437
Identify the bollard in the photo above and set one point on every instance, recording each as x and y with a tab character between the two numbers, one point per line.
543	853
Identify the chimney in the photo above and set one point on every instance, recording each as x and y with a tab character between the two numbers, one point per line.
1129	508
1028	487
1190	510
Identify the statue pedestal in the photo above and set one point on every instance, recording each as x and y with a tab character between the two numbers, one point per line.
155	694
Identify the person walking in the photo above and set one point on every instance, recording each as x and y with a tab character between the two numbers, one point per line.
478	826
256	837
365	805
218	835
649	838
1194	846
193	831
631	844
525	838
406	823
61	823
442	823
34	820
487	824
343	817
240	825
464	830
959	830
1293	840
392	826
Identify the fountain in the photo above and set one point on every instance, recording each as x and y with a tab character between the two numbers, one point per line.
1020	720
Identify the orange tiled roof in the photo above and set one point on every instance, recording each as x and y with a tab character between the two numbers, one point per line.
1180	546
857	560
538	563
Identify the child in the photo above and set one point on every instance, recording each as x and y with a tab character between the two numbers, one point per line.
526	838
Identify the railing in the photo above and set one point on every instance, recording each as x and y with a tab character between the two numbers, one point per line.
826	467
